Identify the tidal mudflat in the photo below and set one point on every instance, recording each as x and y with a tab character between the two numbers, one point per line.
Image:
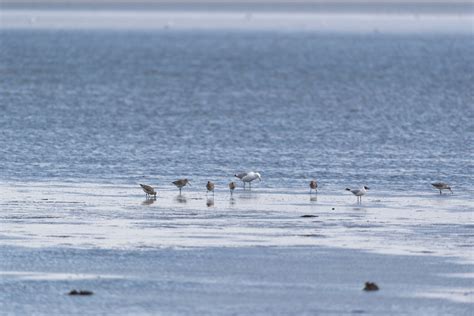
265	251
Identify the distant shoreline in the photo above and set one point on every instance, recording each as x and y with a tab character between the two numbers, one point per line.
137	19
405	7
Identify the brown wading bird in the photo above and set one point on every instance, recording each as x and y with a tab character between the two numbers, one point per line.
232	187
313	185
148	190
210	187
180	183
442	186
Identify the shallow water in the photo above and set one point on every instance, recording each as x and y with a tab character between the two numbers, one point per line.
390	111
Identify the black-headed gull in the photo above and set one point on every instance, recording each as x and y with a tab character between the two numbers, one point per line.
359	192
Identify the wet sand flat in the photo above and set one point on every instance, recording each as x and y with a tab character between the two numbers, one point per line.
265	251
89	215
237	281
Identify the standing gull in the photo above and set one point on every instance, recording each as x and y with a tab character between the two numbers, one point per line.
313	185
180	183
148	190
240	176
442	186
210	187
249	177
359	192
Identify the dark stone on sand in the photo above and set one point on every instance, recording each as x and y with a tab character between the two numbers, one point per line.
313	235
309	215
371	286
81	292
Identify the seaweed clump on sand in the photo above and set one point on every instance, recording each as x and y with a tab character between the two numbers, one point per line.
371	286
80	292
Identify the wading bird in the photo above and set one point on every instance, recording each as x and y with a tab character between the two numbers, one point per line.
442	186
359	192
249	177
210	187
232	187
148	190
180	183
313	185
240	176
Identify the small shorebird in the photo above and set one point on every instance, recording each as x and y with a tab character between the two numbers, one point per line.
249	177
240	176
180	183
232	187
359	192
210	187
313	185
442	186
148	190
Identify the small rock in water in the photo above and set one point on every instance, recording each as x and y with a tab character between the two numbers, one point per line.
81	292
309	215
371	286
333	208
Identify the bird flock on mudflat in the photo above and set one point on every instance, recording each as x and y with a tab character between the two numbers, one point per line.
248	177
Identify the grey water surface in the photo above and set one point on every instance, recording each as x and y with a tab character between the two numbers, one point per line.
394	111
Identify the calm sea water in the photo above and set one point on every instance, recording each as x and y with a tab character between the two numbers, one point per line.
391	111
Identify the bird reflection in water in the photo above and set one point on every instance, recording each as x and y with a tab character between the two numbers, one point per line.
210	202
248	195
313	198
232	201
181	199
149	201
